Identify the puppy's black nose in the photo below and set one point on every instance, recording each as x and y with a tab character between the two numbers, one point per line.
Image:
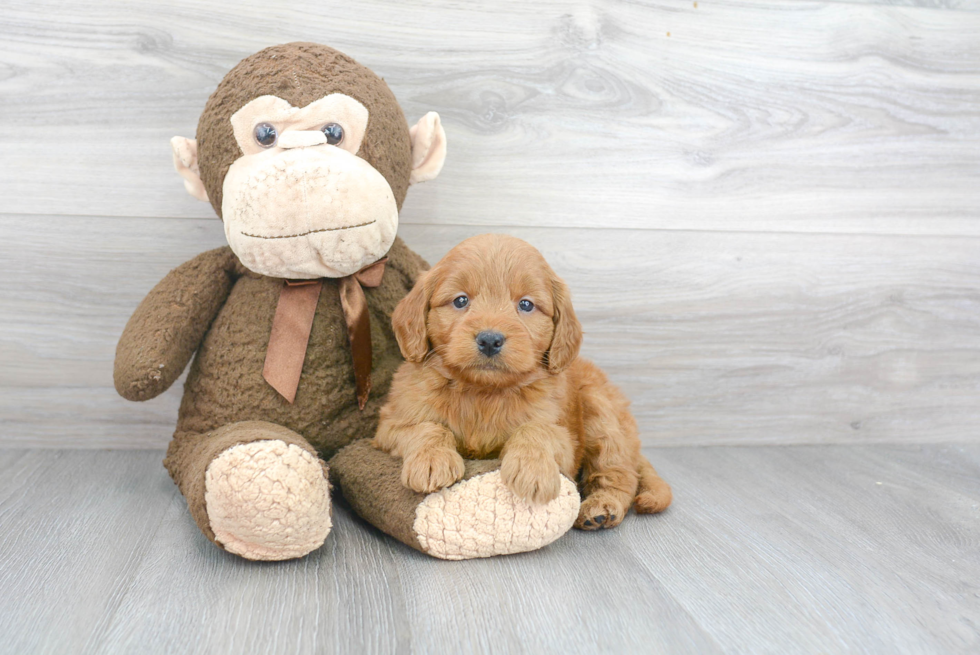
489	342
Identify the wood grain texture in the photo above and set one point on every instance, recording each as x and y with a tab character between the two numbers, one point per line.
717	337
956	5
769	115
75	529
784	550
852	550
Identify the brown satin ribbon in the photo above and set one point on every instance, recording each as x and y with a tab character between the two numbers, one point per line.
294	320
355	306
290	334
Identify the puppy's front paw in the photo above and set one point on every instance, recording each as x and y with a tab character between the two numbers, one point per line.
431	469
534	478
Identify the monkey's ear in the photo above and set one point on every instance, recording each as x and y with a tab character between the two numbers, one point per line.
568	331
408	322
185	162
428	148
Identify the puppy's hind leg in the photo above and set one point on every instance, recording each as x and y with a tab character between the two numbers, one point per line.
609	476
653	494
604	505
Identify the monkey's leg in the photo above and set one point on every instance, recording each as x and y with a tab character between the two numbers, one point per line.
254	488
476	517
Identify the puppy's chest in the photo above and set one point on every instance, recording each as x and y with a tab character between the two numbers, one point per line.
482	424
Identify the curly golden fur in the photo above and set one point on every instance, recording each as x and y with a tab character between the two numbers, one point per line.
533	402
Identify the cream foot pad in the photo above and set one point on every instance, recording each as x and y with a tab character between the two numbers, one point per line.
480	517
476	517
268	501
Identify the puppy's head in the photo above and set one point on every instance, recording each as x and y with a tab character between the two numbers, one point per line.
491	312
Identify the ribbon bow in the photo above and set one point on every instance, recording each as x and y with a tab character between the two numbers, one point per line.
294	320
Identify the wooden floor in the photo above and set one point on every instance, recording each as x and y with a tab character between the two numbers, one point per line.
791	549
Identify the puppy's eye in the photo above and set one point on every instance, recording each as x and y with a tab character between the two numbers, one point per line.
525	305
266	135
460	302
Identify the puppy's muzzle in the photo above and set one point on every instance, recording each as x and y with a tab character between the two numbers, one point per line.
489	343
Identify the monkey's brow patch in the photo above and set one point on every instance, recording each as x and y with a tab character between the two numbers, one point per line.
303	234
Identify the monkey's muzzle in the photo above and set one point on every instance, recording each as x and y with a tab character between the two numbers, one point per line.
307	212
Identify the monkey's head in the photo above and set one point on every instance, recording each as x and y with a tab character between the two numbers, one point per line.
306	156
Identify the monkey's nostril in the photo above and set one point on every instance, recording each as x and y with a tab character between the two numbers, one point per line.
489	343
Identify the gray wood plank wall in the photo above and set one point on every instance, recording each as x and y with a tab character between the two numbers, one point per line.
769	212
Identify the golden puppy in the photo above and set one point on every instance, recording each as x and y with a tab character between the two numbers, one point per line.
491	343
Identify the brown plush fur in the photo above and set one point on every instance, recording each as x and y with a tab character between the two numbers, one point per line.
369	480
536	405
216	307
300	73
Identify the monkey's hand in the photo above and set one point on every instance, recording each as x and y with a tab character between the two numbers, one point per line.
168	326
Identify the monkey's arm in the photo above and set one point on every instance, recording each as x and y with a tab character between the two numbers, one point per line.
168	326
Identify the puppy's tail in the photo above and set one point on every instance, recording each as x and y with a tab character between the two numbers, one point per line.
653	494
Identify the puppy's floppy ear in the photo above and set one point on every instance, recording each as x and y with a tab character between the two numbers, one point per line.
408	321
568	331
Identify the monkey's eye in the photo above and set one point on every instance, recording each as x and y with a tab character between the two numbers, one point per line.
525	305
333	132
266	135
460	302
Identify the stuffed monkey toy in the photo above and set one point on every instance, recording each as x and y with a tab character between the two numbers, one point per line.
306	157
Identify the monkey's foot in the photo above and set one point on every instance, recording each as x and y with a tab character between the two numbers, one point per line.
267	500
476	517
481	517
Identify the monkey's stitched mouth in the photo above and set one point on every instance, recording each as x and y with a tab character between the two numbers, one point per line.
303	234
